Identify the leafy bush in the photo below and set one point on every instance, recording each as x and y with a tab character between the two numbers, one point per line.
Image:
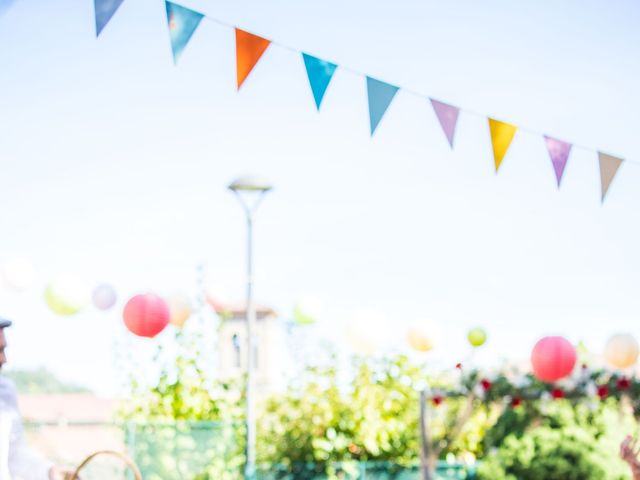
557	441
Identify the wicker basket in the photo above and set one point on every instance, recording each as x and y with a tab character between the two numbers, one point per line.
124	458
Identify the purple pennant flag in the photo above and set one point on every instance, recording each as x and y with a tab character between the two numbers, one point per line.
559	153
448	117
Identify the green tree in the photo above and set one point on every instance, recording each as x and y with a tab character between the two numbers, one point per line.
557	441
41	381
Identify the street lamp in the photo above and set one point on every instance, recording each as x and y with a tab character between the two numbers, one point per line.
250	190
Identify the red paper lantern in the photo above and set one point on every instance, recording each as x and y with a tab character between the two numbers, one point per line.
146	315
553	358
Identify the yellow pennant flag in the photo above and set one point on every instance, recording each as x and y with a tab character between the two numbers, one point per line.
609	166
501	136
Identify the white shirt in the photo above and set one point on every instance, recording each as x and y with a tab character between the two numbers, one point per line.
17	460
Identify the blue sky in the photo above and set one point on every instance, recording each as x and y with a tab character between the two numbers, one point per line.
114	165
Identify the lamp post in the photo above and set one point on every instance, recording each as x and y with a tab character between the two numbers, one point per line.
250	191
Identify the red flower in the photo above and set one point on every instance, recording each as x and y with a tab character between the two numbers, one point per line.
623	383
603	391
557	393
516	402
459	366
486	384
437	400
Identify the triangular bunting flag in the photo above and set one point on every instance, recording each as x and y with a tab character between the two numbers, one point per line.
104	11
380	96
448	118
182	23
501	136
559	153
320	73
249	49
609	166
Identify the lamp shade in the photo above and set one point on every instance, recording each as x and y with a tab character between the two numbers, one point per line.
621	351
179	309
477	337
366	331
66	295
18	273
104	297
146	315
553	358
423	336
307	311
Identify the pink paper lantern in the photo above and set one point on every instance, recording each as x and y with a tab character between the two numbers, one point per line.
553	358
146	315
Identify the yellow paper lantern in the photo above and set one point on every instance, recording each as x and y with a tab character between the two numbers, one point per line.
621	351
179	309
66	295
477	337
423	336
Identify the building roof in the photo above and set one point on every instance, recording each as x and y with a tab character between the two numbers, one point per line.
239	312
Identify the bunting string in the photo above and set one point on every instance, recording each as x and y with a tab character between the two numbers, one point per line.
250	47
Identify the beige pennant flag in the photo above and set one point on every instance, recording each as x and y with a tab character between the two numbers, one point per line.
501	136
609	166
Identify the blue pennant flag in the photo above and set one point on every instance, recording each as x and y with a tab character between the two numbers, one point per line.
380	96
319	73
104	11
182	23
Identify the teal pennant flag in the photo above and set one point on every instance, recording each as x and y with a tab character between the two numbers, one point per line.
320	73
104	11
380	96
182	23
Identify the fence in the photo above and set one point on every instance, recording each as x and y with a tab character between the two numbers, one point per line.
196	451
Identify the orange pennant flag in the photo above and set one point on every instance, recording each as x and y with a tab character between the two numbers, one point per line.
249	49
501	136
609	166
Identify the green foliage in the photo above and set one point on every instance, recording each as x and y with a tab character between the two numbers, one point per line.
321	423
41	381
185	423
556	441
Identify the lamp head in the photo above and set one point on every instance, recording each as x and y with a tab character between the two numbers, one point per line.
250	183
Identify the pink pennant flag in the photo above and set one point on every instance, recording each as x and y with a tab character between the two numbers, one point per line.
448	117
559	153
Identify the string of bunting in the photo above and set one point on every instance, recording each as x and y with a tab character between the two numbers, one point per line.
183	22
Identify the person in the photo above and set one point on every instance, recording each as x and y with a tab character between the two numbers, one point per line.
17	460
629	451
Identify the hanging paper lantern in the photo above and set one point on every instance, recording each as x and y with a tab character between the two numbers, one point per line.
422	336
104	297
477	337
366	331
621	351
179	309
18	273
553	358
307	311
66	295
146	315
